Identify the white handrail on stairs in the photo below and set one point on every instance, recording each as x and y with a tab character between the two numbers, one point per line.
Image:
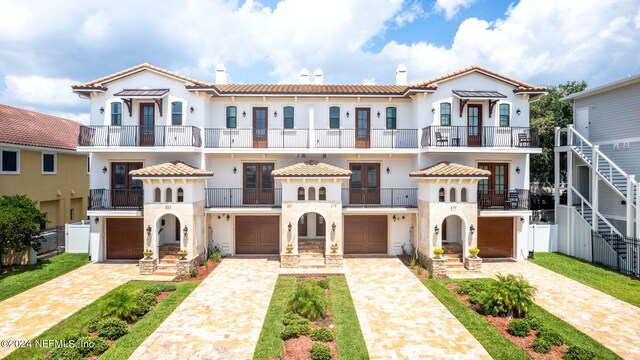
583	140
600	217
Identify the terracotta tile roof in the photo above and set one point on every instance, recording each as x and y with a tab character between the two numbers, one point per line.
479	94
448	169
30	128
170	169
520	86
98	84
249	89
310	168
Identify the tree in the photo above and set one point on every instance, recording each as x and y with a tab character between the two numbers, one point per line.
546	114
20	222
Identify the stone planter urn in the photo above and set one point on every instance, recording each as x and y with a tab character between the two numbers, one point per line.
474	253
334	248
289	248
438	253
182	254
147	254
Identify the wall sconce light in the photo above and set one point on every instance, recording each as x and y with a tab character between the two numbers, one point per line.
228	217
289	226
378	114
333	227
219	217
518	170
437	230
433	110
235	170
472	229
518	112
388	170
191	109
347	113
275	114
394	217
101	110
104	169
522	219
96	220
244	113
185	230
148	229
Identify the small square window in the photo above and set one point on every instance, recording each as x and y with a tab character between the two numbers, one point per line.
49	163
10	161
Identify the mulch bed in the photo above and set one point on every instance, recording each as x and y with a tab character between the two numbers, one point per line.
420	274
203	272
502	324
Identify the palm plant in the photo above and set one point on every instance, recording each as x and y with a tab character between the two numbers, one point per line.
123	305
309	301
514	294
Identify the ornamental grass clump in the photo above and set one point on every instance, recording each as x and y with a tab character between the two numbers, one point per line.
309	301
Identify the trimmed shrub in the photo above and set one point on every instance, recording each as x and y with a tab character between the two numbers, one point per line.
309	301
150	290
88	345
578	353
320	352
519	328
112	328
541	346
165	286
295	330
193	272
551	337
122	304
292	318
534	322
66	353
324	283
322	334
470	287
92	326
509	296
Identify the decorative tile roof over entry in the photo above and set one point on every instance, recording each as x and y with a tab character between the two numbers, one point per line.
171	169
448	169
311	168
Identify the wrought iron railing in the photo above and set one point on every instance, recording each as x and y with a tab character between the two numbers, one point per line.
483	136
134	135
238	197
511	199
366	139
256	138
116	199
394	197
617	252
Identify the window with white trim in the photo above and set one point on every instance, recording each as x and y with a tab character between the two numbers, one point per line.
445	114
10	162
176	113
116	114
288	117
505	114
49	163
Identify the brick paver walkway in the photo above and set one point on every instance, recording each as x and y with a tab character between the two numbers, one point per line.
28	314
612	322
401	319
221	319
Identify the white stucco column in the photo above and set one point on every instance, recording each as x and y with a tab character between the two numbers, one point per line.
312	132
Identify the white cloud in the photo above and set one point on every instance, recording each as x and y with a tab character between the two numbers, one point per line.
96	28
451	7
412	12
38	90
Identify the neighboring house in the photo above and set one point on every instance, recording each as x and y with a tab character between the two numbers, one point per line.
603	147
39	159
292	169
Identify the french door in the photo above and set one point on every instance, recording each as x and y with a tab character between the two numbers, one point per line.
258	183
147	124
474	124
494	191
260	126
363	128
124	190
364	185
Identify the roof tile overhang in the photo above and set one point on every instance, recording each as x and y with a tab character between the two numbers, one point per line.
520	86
148	93
311	168
310	90
29	128
446	169
481	94
170	169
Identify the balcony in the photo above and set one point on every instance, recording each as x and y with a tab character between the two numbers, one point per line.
256	138
363	139
116	199
367	198
140	136
513	199
242	198
484	136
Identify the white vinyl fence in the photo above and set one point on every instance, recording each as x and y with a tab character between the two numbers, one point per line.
77	237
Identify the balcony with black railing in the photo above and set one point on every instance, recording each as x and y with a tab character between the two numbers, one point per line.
511	199
480	136
140	136
243	198
116	199
376	197
366	139
256	138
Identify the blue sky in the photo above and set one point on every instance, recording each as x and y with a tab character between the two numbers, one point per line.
49	44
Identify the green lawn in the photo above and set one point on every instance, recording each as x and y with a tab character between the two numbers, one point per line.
499	346
349	339
124	346
30	276
609	282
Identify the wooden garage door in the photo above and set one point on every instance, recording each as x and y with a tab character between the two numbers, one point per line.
257	234
365	234
125	238
495	237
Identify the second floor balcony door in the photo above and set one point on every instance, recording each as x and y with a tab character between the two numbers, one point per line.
364	185
494	191
474	125
260	126
258	183
363	127
125	190
147	125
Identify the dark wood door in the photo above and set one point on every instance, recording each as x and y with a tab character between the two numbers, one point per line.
474	125
258	184
363	127
321	225
494	191
124	190
495	237
365	234
302	225
364	184
260	126
125	238
257	235
147	124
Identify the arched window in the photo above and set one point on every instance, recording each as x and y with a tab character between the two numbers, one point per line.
301	193
391	117
176	113
169	196
463	195
452	195
232	117
312	193
441	195
334	117
180	195
288	117
322	193
156	195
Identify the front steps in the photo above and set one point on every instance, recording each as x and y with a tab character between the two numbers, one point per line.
311	253
167	259
453	257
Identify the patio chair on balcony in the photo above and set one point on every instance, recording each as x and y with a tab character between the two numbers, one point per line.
523	140
441	139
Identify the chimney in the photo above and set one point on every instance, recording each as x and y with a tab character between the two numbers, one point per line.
221	74
304	76
318	77
401	75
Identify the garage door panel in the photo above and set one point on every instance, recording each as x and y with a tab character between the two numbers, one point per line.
365	234
257	234
125	238
495	237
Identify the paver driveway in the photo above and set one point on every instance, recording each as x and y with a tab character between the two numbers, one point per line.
28	314
612	322
401	319
221	319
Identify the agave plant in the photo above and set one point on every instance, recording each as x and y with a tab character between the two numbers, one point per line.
122	304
